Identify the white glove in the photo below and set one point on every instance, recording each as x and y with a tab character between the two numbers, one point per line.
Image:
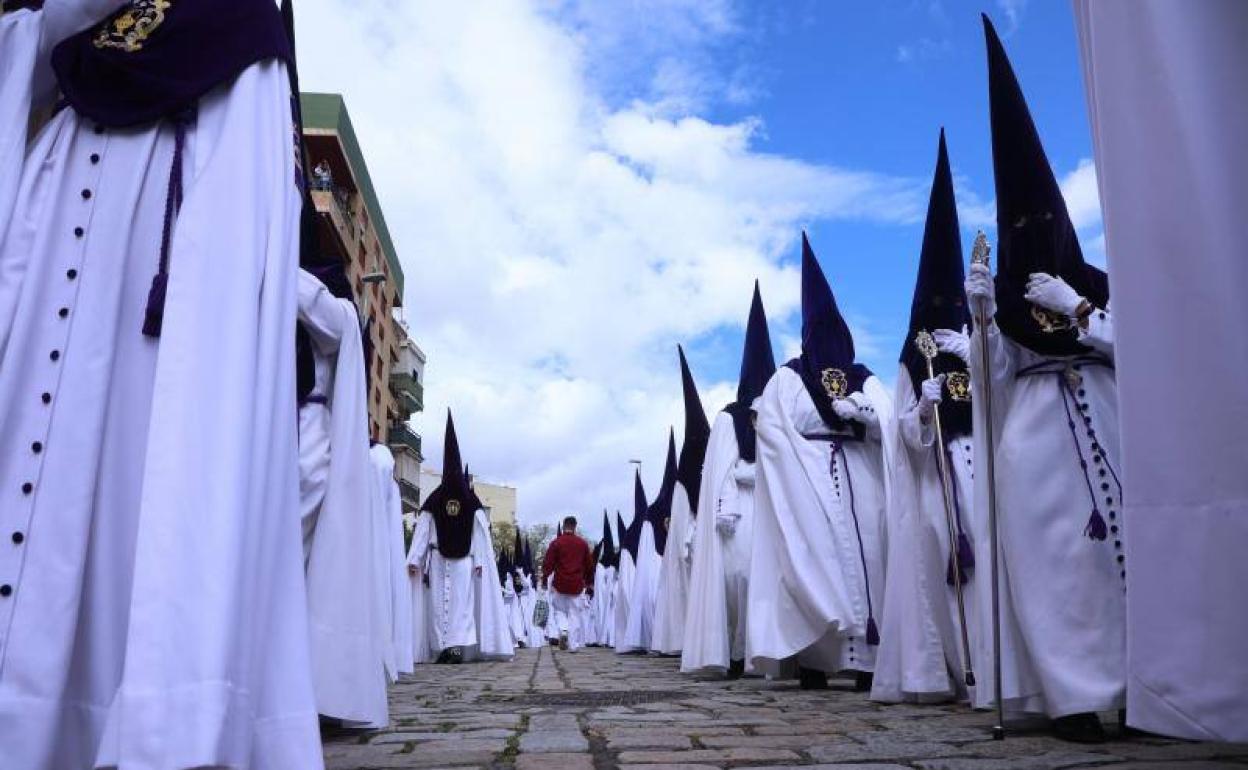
1052	293
930	394
981	290
845	409
956	343
866	410
726	523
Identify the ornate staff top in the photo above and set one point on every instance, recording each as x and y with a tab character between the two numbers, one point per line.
925	344
981	249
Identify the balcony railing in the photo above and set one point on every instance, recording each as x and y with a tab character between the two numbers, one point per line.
409	493
402	437
409	392
336	203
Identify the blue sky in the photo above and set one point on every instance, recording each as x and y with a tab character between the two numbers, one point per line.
576	186
868	85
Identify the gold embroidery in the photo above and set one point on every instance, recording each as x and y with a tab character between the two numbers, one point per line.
834	383
452	508
959	386
1049	321
129	30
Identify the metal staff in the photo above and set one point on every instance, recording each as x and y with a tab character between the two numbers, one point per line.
979	256
927	348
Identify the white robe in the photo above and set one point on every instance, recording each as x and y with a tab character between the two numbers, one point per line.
1062	605
715	624
624	579
347	635
1165	83
921	657
388	513
165	622
528	602
511	608
19	53
587	618
673	591
459	607
639	629
808	592
604	606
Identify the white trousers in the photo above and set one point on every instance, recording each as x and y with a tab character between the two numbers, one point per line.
565	614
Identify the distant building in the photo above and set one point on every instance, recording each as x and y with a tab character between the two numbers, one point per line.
499	500
353	227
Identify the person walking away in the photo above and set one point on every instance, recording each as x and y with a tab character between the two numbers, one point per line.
569	570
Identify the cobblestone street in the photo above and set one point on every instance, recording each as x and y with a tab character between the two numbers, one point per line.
594	710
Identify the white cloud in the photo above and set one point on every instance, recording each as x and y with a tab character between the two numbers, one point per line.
1082	198
559	232
925	49
1013	11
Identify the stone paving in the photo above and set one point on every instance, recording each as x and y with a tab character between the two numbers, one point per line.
594	710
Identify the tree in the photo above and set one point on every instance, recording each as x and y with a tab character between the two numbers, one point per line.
503	533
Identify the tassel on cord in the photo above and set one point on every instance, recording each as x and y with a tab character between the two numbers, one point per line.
873	633
154	313
1096	528
964	558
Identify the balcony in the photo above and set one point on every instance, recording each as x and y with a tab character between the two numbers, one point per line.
409	392
335	203
402	438
409	494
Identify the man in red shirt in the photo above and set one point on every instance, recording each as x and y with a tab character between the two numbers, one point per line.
571	564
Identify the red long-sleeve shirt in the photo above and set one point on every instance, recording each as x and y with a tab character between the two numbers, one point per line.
569	564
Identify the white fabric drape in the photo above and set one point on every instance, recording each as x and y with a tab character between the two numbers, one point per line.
1166	81
673	589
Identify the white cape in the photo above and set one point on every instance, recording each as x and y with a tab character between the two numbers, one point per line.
1165	84
388	510
345	631
639	628
19	47
707	641
604	606
624	579
807	582
923	646
673	590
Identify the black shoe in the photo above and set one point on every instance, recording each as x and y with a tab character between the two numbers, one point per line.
1079	728
455	655
736	669
863	681
812	679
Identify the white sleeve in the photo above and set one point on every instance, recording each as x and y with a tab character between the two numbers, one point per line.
322	314
1100	332
418	552
917	434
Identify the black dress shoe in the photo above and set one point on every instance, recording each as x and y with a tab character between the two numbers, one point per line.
812	679
456	655
444	656
736	669
863	681
1079	728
